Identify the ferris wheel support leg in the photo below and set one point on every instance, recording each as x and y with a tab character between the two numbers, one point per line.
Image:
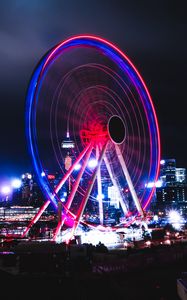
88	191
36	218
124	208
58	187
63	180
99	187
129	182
73	192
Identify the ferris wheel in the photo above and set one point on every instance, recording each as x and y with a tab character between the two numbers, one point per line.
87	92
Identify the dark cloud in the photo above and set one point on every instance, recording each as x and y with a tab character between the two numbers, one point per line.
151	33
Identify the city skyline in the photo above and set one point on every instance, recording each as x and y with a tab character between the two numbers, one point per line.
29	30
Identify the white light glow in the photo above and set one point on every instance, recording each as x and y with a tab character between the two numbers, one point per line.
162	162
102	196
177	226
16	183
77	167
93	236
125	244
6	190
155	218
175	219
43	174
148	243
158	183
96	236
168	242
92	163
152	184
174	216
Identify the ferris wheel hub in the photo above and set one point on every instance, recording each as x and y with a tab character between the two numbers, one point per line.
116	129
95	132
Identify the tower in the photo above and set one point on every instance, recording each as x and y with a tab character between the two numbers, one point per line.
68	145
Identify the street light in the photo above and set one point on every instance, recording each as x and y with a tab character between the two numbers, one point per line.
6	190
16	183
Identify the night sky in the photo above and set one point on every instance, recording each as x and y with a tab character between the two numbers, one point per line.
153	34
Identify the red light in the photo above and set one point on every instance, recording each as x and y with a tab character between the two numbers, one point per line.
51	176
95	132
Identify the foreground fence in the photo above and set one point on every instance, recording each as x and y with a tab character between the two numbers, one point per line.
153	257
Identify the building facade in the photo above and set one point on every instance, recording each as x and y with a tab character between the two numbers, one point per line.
172	194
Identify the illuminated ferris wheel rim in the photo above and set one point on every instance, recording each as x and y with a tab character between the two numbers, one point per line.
121	60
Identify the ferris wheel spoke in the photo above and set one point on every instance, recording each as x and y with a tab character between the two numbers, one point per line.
99	187
73	192
71	169
36	217
129	181
114	182
88	191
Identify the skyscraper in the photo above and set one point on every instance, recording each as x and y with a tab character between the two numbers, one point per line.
173	192
167	171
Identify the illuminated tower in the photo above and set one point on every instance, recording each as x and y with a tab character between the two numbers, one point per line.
68	164
69	145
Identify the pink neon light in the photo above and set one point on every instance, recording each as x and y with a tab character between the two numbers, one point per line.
36	217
